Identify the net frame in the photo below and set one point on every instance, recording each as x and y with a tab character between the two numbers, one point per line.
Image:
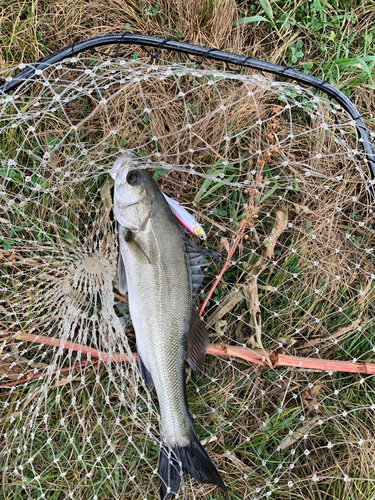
204	53
260	359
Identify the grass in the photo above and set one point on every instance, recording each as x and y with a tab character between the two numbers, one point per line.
245	412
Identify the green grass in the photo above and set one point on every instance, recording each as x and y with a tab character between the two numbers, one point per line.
330	39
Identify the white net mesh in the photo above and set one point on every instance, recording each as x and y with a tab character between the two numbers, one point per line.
285	406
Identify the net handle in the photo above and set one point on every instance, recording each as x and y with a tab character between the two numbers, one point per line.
202	53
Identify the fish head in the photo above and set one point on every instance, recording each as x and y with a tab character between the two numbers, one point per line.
133	194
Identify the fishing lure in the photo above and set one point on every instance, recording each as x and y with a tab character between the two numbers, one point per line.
185	219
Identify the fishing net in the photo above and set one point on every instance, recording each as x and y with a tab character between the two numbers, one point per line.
276	175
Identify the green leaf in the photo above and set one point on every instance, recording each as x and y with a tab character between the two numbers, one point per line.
202	193
53	141
158	173
116	471
345	62
365	68
37	181
248	20
270	192
220	212
206	184
217	186
317	5
266	6
355	64
9	172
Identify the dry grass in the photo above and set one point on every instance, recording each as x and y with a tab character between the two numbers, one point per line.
55	24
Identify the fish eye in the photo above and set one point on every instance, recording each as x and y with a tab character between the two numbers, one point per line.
133	177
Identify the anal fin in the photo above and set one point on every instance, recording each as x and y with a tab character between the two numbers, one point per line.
198	343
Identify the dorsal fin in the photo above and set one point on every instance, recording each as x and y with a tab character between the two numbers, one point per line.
198	343
195	257
195	260
193	248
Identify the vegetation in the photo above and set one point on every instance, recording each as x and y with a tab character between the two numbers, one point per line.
250	416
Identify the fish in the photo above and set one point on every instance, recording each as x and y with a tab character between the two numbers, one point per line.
160	270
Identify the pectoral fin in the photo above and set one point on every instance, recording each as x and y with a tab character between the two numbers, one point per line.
136	248
198	343
126	236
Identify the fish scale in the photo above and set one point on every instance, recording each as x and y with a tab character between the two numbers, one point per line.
164	320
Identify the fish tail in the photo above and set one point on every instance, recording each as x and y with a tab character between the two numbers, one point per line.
194	461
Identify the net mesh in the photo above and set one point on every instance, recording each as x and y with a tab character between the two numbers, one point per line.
285	404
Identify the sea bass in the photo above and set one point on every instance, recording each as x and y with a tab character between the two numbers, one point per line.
161	273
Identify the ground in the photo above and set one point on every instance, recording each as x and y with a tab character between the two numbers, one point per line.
252	418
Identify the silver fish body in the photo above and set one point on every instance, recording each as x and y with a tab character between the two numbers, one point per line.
158	274
160	305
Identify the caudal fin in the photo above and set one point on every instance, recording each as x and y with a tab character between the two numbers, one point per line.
194	461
